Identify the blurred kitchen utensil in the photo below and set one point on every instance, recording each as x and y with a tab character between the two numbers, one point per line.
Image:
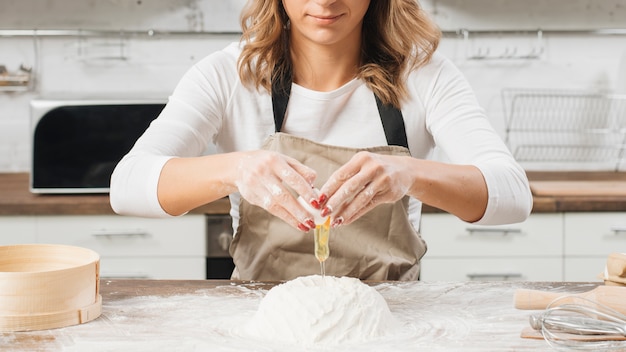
611	296
47	286
581	324
615	270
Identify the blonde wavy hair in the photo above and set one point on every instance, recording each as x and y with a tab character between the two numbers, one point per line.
398	36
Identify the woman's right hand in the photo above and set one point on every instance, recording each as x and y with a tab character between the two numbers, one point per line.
262	178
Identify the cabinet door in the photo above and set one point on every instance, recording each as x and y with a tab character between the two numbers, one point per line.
158	268
595	234
121	236
447	236
17	230
589	239
492	269
584	269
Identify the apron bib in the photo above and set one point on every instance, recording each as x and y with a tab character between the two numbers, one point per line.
380	245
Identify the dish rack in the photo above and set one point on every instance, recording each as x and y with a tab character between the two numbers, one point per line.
565	129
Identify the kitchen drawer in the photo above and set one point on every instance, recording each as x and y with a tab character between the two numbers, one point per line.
491	269
165	268
584	269
446	235
17	230
113	235
595	234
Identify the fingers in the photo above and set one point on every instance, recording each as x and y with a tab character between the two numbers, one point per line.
340	188
277	200
366	181
264	179
362	203
358	186
287	208
301	181
346	183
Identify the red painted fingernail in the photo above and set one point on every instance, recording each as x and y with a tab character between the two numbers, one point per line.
303	228
315	203
310	223
326	211
323	198
337	222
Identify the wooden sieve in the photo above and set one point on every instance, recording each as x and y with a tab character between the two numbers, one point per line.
44	286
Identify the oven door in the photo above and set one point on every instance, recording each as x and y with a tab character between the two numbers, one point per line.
219	263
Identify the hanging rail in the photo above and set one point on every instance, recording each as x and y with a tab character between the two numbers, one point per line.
605	32
106	33
152	32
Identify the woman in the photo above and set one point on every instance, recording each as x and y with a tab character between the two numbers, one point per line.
341	103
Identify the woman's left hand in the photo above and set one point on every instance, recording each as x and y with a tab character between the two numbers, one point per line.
365	181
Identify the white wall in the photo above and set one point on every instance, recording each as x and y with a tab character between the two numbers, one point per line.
151	65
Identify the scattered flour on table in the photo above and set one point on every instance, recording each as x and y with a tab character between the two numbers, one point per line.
316	310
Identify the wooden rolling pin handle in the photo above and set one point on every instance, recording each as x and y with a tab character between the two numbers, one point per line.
534	299
610	296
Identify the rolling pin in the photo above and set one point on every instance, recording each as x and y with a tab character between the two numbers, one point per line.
610	296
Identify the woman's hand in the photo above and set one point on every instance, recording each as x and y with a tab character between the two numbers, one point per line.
262	178
365	181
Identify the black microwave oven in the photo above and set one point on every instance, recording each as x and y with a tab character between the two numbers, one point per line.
77	143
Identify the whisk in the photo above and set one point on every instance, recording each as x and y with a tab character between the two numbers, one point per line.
581	324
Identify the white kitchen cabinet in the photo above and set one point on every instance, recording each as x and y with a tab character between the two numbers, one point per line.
130	247
447	235
595	233
124	236
584	269
571	246
590	238
492	269
531	250
165	268
17	230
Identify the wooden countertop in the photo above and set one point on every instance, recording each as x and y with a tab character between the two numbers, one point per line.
578	191
16	199
153	315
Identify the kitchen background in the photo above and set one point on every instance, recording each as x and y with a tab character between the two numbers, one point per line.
551	75
144	47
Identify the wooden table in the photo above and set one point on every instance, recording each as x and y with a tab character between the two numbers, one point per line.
152	315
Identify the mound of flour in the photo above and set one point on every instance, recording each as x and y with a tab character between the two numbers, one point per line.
321	310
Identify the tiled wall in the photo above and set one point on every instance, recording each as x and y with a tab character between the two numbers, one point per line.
151	65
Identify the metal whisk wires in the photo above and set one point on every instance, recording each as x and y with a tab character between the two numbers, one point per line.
584	325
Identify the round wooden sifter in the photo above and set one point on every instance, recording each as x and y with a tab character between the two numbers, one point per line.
44	286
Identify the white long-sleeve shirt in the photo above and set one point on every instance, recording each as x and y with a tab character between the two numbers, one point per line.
210	105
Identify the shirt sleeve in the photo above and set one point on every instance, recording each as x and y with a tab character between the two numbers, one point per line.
462	131
185	127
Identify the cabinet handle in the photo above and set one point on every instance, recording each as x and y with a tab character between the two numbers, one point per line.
618	229
224	240
492	276
120	233
503	232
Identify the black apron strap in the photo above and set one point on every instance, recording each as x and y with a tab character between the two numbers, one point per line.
393	123
281	89
390	116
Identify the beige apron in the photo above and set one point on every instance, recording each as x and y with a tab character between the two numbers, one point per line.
381	245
